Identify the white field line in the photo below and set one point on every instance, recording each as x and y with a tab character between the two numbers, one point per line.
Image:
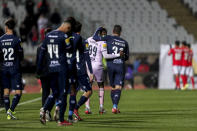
26	102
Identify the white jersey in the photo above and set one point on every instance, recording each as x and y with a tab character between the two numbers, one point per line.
95	51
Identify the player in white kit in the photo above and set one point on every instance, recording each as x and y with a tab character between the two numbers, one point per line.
98	50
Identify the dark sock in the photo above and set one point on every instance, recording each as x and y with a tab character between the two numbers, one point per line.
15	101
82	100
62	105
6	102
117	95
49	103
112	96
72	103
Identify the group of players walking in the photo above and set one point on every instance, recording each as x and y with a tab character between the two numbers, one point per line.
66	63
182	56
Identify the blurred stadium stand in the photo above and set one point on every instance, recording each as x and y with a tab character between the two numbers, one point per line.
145	24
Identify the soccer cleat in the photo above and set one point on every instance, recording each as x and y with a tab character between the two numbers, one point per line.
101	111
42	116
76	114
64	123
88	111
48	116
10	115
185	87
71	120
56	114
114	110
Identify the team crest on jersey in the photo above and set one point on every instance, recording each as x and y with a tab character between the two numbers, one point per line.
87	45
67	40
104	45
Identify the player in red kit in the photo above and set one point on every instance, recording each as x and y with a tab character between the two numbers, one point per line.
176	57
190	71
184	64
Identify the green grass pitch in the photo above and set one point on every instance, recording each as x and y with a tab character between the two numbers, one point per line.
141	110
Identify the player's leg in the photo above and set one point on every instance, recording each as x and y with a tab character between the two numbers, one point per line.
62	100
72	102
191	75
111	80
118	82
183	76
53	81
86	86
16	84
101	97
176	75
45	93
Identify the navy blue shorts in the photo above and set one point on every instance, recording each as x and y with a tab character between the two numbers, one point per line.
84	83
12	80
72	74
58	84
116	75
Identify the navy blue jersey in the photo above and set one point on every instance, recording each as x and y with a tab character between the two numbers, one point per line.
11	51
55	46
76	41
83	57
116	44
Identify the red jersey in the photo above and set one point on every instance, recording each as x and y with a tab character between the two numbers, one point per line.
176	56
190	58
185	56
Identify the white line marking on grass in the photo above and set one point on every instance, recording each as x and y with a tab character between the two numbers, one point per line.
26	102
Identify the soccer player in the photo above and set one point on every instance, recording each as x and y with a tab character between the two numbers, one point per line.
55	46
98	50
176	53
116	66
83	80
45	80
190	71
11	54
184	64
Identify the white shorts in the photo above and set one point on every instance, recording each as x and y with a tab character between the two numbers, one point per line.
190	71
183	70
98	72
176	70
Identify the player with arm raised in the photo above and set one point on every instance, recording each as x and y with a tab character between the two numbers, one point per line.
11	56
176	53
98	50
116	66
55	46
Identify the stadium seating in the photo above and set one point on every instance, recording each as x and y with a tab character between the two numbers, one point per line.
145	24
192	4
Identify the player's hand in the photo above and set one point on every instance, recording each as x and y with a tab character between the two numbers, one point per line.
91	77
121	54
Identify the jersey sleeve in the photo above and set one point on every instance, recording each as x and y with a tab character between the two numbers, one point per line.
126	52
103	46
41	54
87	56
170	51
20	50
67	41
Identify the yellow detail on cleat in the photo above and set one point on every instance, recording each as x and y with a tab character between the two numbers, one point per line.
9	117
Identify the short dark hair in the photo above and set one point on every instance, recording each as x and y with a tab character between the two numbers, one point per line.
10	23
72	21
47	30
184	43
117	29
104	30
78	27
177	42
189	45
